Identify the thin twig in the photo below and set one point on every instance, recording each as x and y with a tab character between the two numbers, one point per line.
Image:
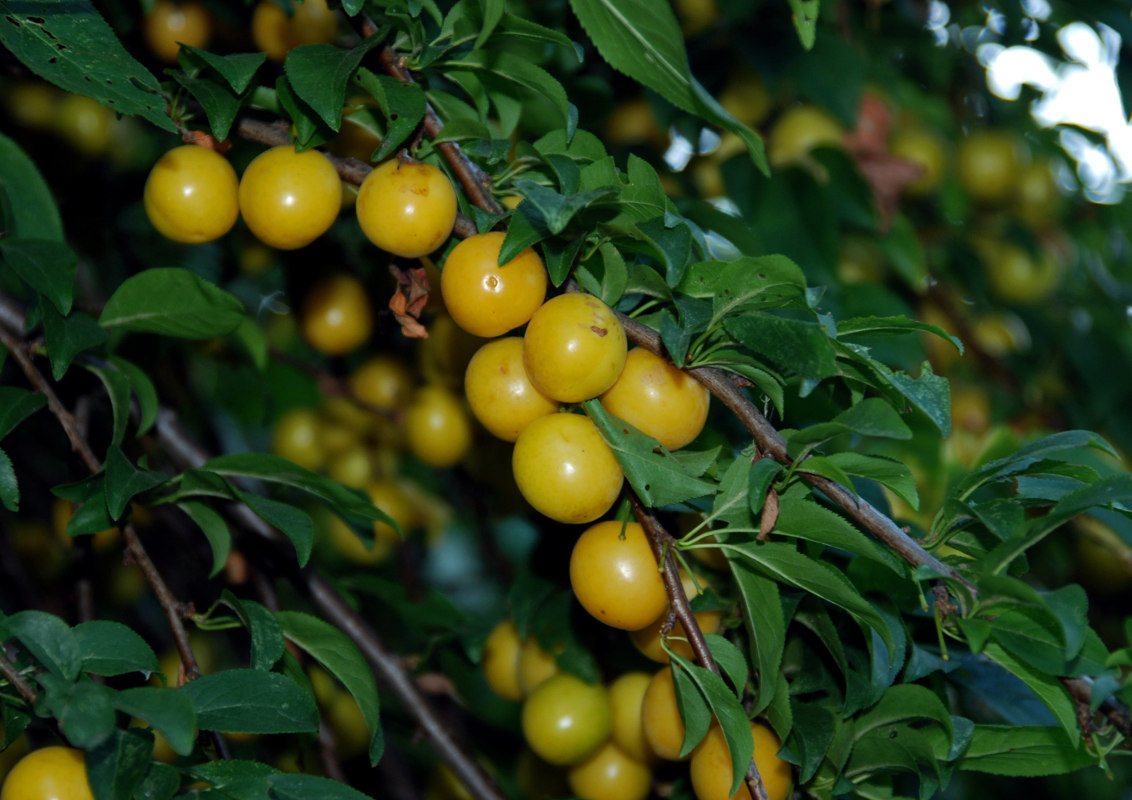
9	671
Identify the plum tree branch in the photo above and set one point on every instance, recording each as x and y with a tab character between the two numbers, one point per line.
661	542
188	454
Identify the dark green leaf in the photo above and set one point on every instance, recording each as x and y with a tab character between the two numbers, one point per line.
219	102
334	650
748	283
85	710
237	69
117	387
124	481
403	106
766	628
1019	750
930	393
144	391
906	702
803	518
16	405
319	74
802	347
642	39
781	562
214	528
116	767
1024	457
28	207
48	638
728	712
172	302
161	782
71	45
295	523
245	780
1047	688
251	701
66	337
111	648
657	477
870	417
9	485
510	67
671	242
293	786
886	471
729	659
168	711
47	266
811	736
555	209
266	634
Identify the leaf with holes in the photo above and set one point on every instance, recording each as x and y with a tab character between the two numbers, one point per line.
71	45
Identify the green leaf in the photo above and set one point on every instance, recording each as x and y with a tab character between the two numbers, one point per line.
795	345
804	13
251	701
351	504
886	471
47	266
9	484
905	702
117	766
813	732
110	648
1023	751
319	74
781	562
219	103
403	105
870	417
765	623
66	337
117	387
510	67
169	711
295	523
29	210
1047	688
556	209
161	782
172	302
728	711
802	518
124	481
237	69
215	530
85	710
294	786
235	778
657	477
642	39
930	393
144	391
71	45
729	658
747	283
334	650
16	405
1030	454
48	638
268	644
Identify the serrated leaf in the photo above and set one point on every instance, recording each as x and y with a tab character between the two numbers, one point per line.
251	701
930	393
117	387
117	767
783	563
237	69
813	732
870	417
219	103
747	283
66	337
802	518
1028	455
642	39
47	266
48	638
169	711
1045	687
557	209
9	484
765	623
110	648
334	650
85	710
71	45
172	302
124	481
16	405
29	208
795	345
729	659
905	702
657	477
886	471
215	530
1023	751
319	73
